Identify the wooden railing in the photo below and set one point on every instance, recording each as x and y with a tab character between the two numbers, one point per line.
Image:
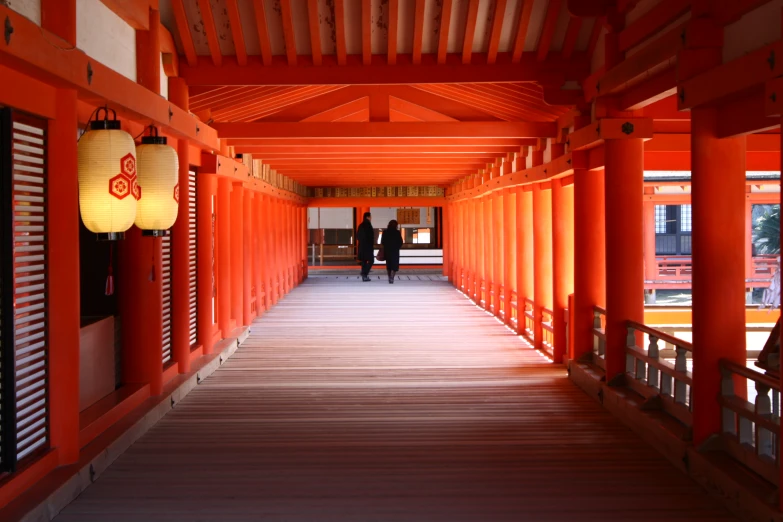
547	332
599	337
751	431
678	271
514	311
530	318
655	378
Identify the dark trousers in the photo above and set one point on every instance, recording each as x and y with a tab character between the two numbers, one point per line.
366	266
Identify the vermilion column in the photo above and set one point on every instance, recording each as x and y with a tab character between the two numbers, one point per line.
589	256
486	248
224	256
259	256
748	235
206	250
269	266
562	261
64	303
180	266
498	233
470	236
248	253
446	254
305	239
718	264
288	242
525	285
237	254
542	255
478	281
509	250
650	261
624	188
59	17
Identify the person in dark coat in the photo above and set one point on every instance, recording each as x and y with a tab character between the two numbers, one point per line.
392	243
365	235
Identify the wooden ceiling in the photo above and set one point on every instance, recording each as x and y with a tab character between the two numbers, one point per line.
380	62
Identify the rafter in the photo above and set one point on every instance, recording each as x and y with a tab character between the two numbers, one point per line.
341	111
392	32
209	29
288	31
263	33
236	31
315	31
339	30
183	28
383	144
524	21
443	34
572	34
470	31
550	23
598	26
497	27
416	111
418	31
366	32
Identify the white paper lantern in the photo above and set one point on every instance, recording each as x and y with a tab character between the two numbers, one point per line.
158	168
107	176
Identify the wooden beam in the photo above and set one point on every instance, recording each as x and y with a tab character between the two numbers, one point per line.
263	32
183	28
382	144
236	31
655	89
392	31
524	21
598	26
550	23
443	35
745	116
574	26
402	201
339	30
470	31
652	23
417	111
136	13
387	130
210	31
288	31
418	31
315	31
366	32
528	70
497	27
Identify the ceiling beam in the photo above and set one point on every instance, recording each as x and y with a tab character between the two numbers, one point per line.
470	31
574	26
497	27
183	28
315	31
236	31
392	31
550	72
495	129
418	31
210	31
366	32
288	31
524	21
385	144
263	33
443	35
550	23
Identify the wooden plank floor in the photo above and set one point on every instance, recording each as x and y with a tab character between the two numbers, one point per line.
370	402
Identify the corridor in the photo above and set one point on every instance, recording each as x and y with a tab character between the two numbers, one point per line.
369	402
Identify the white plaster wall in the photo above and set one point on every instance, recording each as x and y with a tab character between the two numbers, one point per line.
312	218
382	215
28	8
106	37
341	217
756	29
164	80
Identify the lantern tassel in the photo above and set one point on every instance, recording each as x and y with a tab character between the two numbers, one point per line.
110	276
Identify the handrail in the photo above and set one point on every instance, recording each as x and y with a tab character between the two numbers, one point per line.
599	337
750	373
661	335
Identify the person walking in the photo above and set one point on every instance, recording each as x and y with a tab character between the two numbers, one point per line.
365	235
392	243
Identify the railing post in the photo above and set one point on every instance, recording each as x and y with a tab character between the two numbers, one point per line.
630	361
764	437
652	371
728	421
680	365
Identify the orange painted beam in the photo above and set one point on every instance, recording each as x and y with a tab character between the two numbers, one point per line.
59	17
655	20
263	32
610	128
315	31
288	31
236	31
655	89
210	31
417	111
183	27
443	35
366	32
404	73
400	130
134	12
524	22
470	31
745	115
418	31
548	32
497	26
594	36
337	113
392	31
574	26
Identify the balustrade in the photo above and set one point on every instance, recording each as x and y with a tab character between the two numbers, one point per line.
599	337
547	332
514	311
530	319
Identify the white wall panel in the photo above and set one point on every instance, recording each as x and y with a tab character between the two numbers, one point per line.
106	37
337	218
29	8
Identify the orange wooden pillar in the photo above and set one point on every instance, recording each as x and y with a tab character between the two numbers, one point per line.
562	261
269	266
498	233
470	255
524	231
64	303
624	189
748	235
248	253
650	261
287	246
206	248
462	240
224	280
486	251
259	255
718	264
542	256
478	217
305	240
589	256
509	252
237	254
445	223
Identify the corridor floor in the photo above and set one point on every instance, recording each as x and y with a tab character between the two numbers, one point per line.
370	402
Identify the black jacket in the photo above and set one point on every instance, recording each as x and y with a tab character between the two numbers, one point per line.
365	235
392	243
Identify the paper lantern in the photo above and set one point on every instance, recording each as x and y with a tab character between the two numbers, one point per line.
158	199
107	174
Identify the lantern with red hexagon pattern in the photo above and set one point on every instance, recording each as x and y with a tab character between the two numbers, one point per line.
158	197
107	177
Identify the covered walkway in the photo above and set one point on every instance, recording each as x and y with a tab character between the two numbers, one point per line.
372	402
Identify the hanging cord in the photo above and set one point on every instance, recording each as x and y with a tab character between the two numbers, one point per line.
110	272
